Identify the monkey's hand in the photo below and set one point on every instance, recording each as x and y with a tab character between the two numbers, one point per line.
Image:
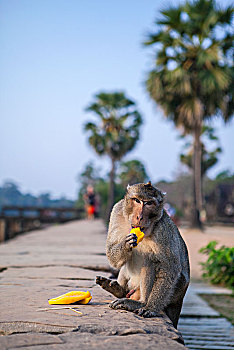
131	240
146	312
126	304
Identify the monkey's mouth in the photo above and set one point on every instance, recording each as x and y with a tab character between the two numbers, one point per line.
140	227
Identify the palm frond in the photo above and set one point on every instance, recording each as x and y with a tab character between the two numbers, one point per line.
117	128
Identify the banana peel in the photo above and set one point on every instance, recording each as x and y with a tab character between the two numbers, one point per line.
71	298
140	235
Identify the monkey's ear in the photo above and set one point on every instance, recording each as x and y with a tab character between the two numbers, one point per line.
128	187
162	196
148	184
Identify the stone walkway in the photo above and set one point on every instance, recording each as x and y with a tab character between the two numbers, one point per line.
201	326
46	263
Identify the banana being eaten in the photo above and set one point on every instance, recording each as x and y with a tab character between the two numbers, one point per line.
140	235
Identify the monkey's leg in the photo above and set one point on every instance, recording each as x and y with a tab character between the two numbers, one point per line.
173	312
173	309
126	304
155	291
111	286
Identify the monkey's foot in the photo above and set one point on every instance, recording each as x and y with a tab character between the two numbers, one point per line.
147	313
126	304
111	286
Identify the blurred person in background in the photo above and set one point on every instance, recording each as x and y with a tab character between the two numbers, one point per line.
90	202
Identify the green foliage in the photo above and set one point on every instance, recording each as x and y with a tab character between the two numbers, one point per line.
132	172
219	267
102	189
225	177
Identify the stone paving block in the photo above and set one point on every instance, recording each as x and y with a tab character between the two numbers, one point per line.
35	260
211	347
205	288
65	283
25	340
71	243
207	333
196	306
135	341
50	272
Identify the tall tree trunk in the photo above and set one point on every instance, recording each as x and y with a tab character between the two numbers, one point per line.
111	197
197	179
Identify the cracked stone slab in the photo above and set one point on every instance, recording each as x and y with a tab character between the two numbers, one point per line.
25	340
84	341
131	341
50	272
17	327
35	260
53	284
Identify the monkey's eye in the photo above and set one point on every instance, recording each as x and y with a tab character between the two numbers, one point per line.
136	200
149	202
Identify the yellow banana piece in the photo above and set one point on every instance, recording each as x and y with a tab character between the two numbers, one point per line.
71	297
140	235
85	301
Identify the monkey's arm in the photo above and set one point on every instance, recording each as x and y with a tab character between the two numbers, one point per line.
119	242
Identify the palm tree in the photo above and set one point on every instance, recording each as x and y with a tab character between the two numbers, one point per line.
208	157
193	77
116	131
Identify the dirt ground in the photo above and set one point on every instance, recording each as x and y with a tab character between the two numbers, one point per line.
195	239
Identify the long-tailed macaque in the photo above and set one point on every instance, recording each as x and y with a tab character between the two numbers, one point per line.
154	275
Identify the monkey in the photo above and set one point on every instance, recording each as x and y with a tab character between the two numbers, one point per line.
153	275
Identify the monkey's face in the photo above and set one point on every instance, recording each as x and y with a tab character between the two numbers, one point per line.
143	205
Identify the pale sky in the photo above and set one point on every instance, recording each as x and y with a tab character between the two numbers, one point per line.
55	56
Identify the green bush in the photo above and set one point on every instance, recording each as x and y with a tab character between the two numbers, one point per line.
219	267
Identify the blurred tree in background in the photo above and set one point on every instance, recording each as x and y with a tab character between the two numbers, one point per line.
10	194
208	158
193	77
132	172
115	132
218	194
225	177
